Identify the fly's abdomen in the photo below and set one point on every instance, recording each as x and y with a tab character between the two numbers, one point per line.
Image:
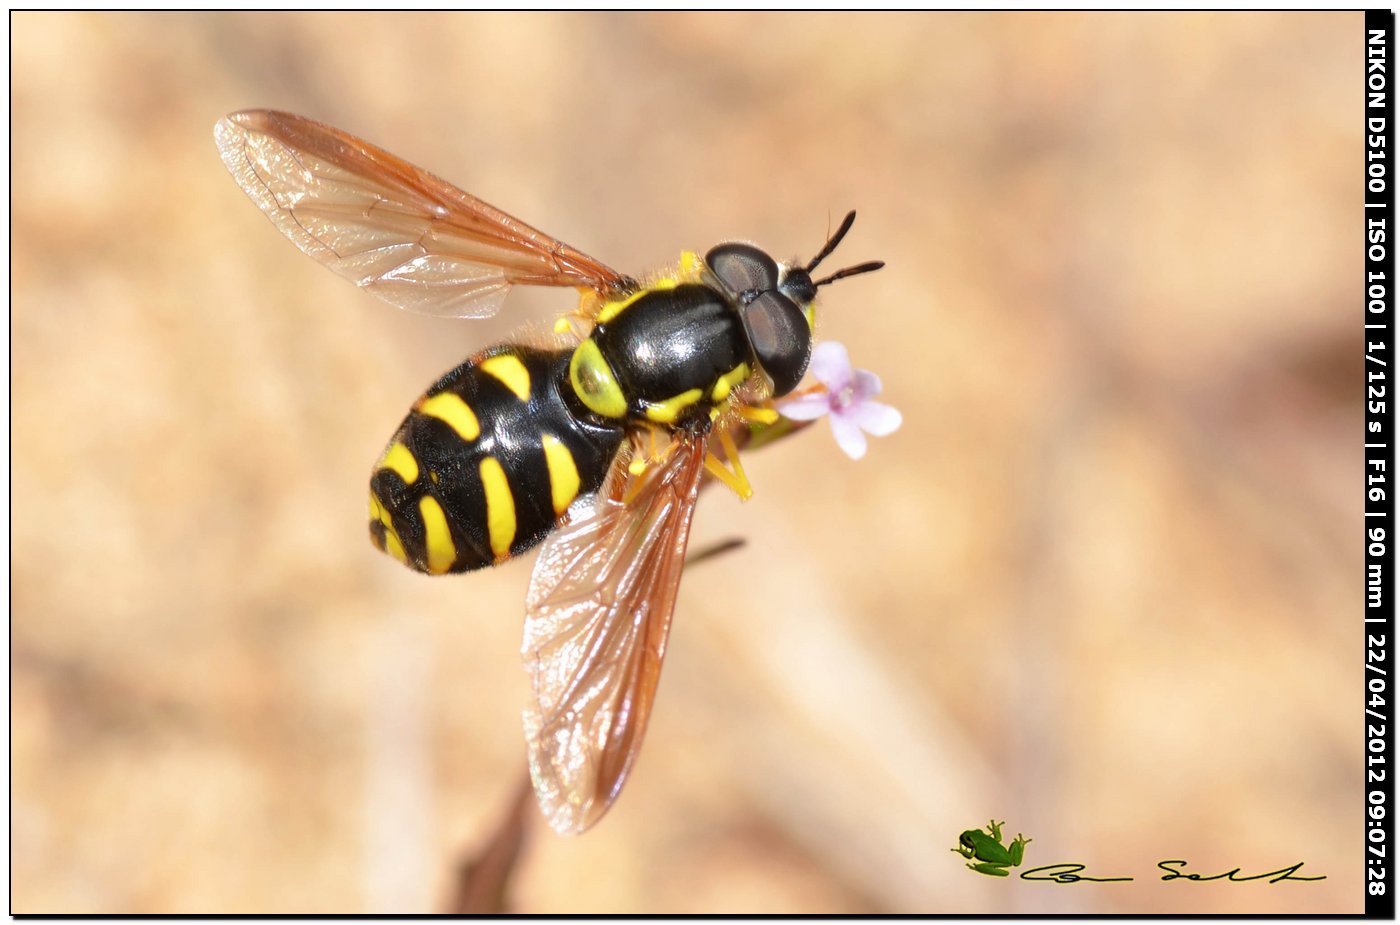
486	463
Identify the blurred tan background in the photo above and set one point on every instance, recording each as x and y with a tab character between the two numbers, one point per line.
1104	584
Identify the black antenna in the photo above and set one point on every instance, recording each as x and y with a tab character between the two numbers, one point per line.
835	240
850	271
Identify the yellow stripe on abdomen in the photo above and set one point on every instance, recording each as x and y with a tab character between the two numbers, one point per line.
438	539
563	473
398	458
391	542
509	370
450	408
500	507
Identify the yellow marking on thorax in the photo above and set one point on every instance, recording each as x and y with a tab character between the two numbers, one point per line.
690	270
691	267
398	458
563	473
450	408
612	309
500	506
441	550
594	382
511	371
728	381
666	412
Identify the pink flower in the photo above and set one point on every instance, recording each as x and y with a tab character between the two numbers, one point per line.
846	394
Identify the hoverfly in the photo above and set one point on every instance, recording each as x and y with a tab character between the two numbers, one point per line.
596	445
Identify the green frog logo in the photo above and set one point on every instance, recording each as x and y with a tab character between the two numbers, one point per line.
986	847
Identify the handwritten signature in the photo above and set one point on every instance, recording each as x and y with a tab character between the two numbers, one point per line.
1174	870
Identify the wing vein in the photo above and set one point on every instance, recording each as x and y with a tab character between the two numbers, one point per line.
598	615
393	229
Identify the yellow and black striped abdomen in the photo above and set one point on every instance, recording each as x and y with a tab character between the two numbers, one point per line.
486	463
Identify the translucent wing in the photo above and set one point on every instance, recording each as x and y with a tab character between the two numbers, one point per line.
598	614
397	231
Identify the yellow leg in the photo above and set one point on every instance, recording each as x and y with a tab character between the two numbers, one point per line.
758	415
726	440
641	462
736	480
654	454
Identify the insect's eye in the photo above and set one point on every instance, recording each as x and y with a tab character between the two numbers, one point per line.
780	337
742	268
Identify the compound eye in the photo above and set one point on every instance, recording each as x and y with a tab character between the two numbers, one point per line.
742	268
781	340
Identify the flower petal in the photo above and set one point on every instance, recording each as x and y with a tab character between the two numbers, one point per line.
831	365
848	436
876	418
866	385
806	407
